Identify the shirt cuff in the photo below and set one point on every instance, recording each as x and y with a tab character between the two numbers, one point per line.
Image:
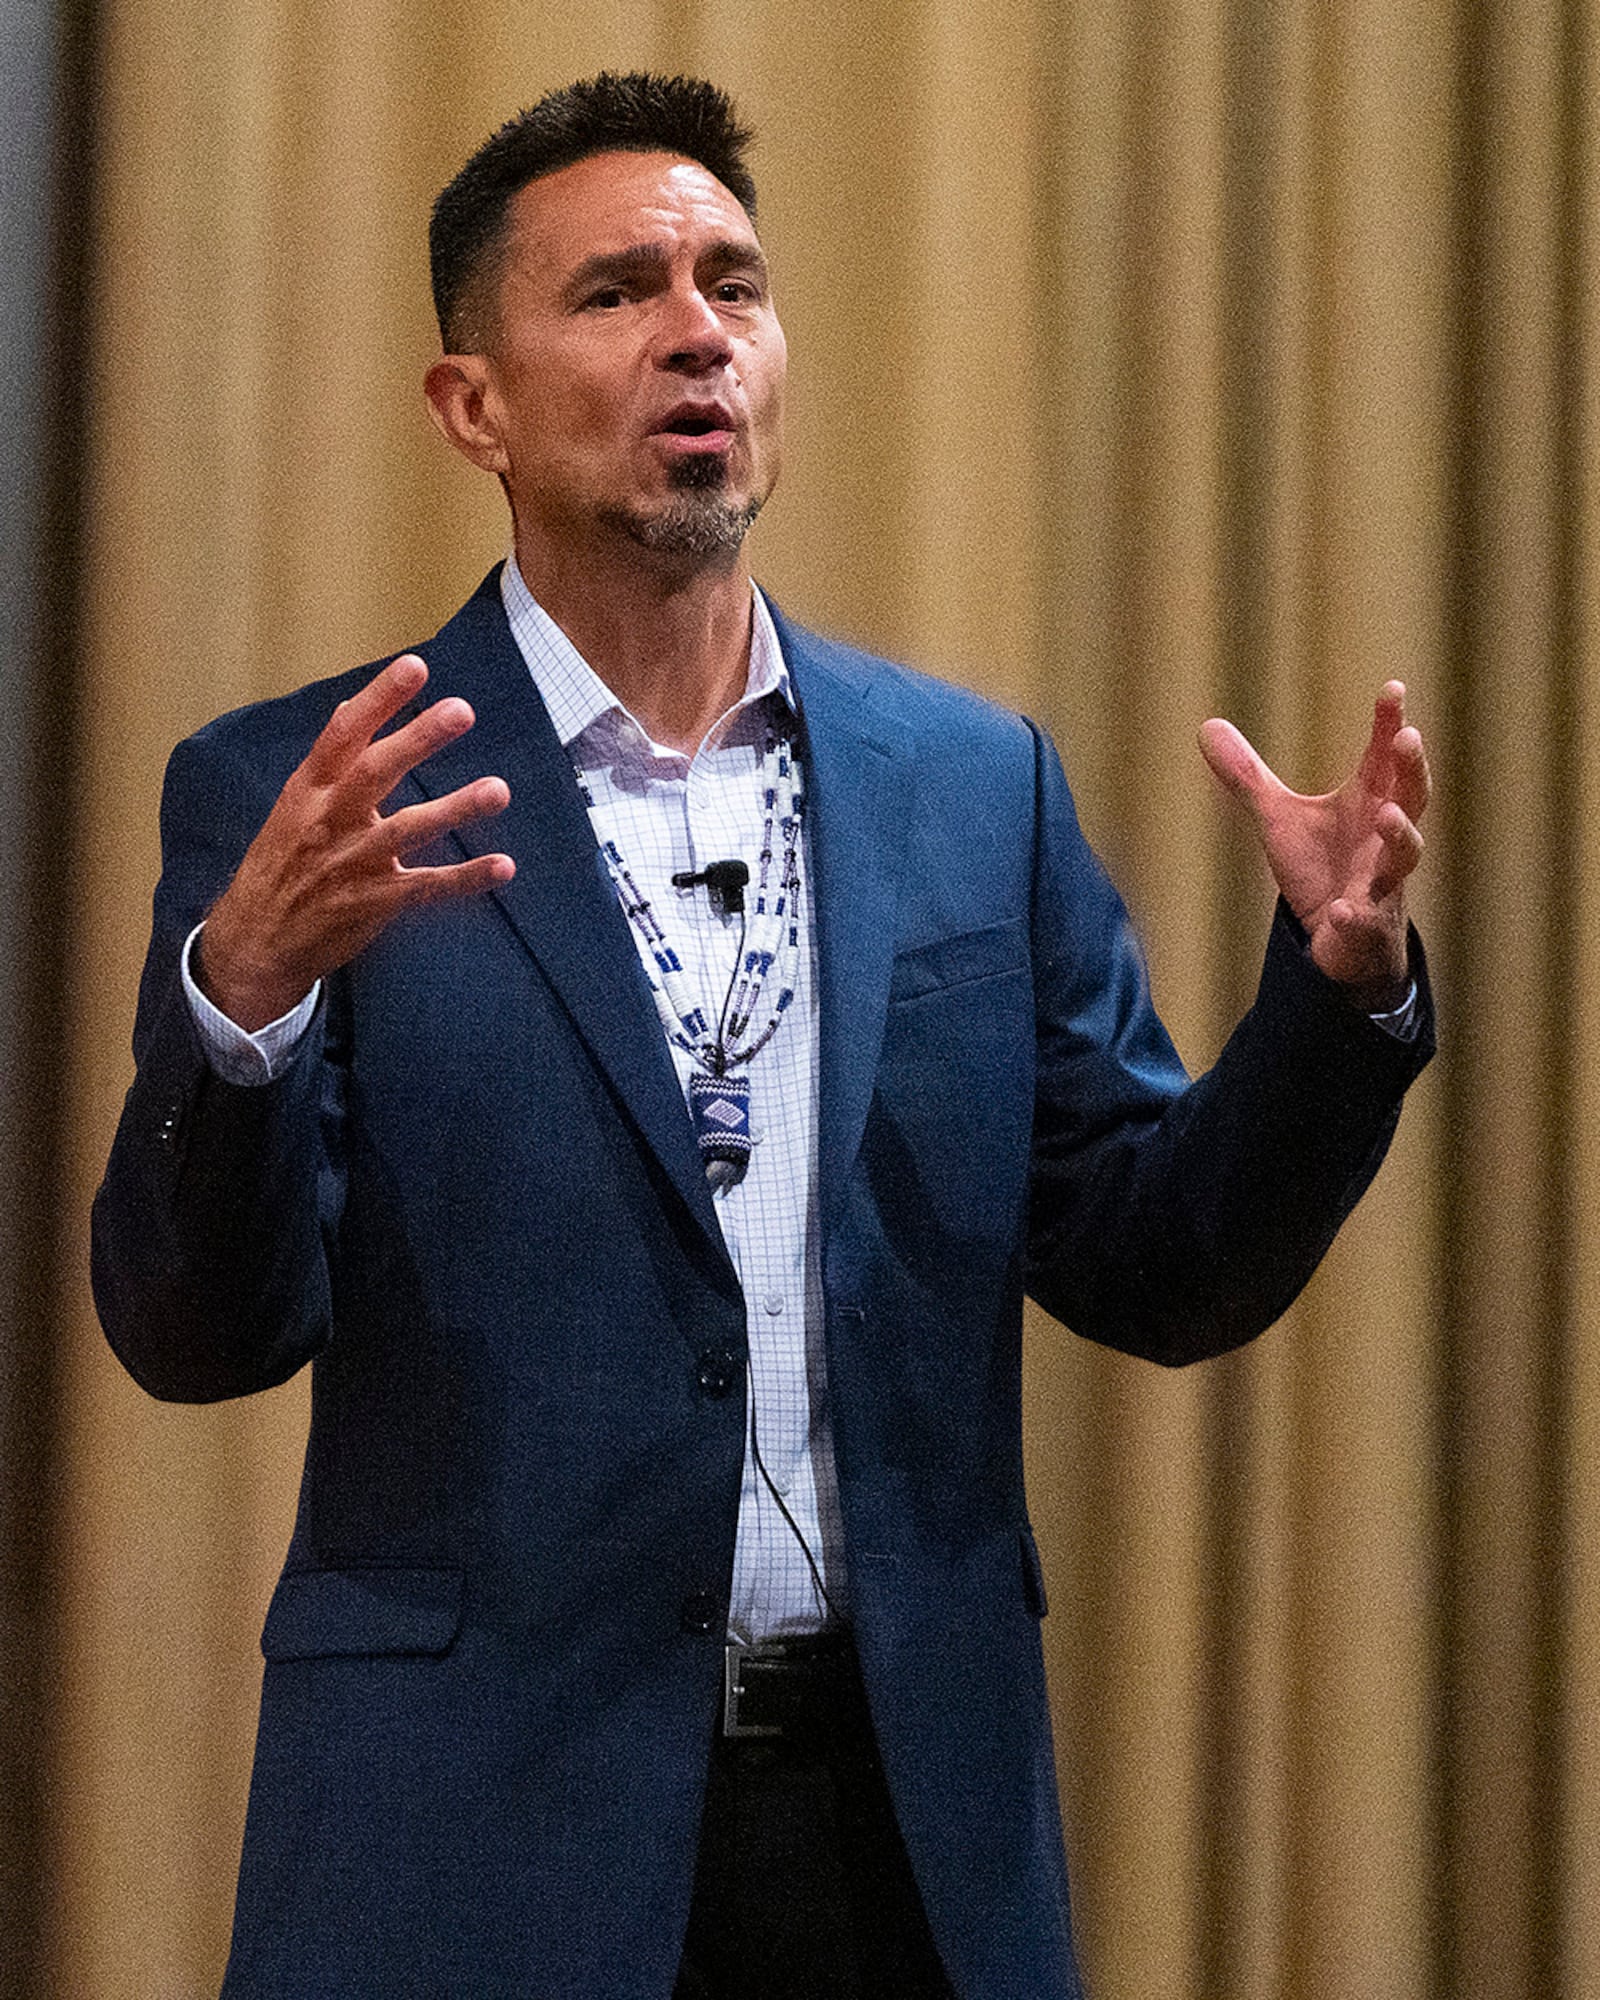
1401	1021
236	1055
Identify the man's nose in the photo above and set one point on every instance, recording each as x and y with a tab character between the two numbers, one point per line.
693	338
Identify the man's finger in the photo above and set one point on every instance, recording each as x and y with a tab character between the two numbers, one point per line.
384	763
1413	784
461	878
1402	850
1235	763
413	827
355	722
1388	719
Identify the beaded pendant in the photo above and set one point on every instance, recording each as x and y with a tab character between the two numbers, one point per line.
720	1108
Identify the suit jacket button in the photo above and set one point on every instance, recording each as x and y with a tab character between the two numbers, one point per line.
717	1374
700	1612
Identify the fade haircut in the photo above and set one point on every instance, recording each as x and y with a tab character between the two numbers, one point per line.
631	113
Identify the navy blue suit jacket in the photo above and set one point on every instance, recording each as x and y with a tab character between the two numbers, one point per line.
474	1205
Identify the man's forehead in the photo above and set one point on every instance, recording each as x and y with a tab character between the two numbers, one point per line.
612	201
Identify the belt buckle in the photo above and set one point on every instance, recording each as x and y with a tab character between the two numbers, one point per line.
736	1695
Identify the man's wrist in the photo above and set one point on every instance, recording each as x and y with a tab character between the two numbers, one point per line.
1400	1021
250	1004
238	1054
1379	996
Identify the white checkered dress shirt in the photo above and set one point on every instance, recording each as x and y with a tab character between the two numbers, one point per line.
671	814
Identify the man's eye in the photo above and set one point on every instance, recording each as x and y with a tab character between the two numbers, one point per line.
735	292
608	299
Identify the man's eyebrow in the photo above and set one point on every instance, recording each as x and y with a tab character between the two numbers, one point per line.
648	264
730	254
640	263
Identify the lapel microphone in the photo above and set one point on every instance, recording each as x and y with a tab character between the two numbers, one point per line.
725	880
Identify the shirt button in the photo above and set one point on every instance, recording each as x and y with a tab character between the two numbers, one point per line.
717	1373
773	1303
699	1612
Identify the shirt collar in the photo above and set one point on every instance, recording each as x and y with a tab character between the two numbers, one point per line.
575	694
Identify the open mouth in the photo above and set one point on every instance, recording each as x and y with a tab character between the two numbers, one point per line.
706	422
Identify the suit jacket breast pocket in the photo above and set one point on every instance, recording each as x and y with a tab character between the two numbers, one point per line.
947	1144
948	962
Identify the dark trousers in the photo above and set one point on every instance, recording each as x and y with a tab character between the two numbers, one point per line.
802	1888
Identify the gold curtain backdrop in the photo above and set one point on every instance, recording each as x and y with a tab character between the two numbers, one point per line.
1151	359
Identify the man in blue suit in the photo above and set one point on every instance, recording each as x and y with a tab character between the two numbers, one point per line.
654	1185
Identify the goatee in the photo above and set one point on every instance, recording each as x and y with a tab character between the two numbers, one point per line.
698	521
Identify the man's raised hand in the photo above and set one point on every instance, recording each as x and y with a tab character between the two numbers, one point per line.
327	871
1341	858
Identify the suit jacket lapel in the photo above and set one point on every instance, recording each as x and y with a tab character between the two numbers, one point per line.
560	902
857	793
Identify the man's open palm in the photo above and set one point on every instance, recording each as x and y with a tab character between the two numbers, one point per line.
1341	858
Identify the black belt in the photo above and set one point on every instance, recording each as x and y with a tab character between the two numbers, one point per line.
791	1688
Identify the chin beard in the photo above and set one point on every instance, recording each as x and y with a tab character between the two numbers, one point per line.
698	521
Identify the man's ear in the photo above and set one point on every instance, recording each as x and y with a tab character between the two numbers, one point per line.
462	402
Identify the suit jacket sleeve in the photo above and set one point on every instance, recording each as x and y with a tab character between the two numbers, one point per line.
1171	1219
208	1248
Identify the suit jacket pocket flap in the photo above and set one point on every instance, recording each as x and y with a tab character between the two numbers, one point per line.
325	1613
953	961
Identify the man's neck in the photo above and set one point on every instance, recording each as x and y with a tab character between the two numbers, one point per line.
672	646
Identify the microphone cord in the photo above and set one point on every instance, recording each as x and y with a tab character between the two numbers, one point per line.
719	1054
719	1059
824	1601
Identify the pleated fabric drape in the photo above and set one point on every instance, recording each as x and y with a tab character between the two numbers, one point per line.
1151	359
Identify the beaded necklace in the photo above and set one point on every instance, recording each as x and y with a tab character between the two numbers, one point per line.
769	935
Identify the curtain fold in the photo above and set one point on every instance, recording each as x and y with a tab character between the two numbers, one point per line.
1150	361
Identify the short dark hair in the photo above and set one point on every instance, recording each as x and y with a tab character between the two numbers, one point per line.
630	113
